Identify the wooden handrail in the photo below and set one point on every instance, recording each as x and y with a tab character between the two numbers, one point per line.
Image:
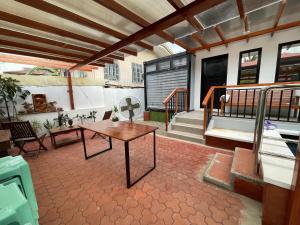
169	97
210	93
176	90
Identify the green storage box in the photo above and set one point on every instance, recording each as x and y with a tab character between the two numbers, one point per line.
16	170
14	207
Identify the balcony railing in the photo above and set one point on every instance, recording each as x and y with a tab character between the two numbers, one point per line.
241	101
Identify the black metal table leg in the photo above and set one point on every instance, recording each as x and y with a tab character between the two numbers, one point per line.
95	154
127	163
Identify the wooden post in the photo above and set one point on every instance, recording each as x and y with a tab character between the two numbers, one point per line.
70	90
167	115
212	102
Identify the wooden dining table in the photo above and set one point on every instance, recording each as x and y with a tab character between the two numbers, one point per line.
124	131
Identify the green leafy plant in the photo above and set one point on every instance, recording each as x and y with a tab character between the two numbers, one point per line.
45	70
115	111
81	117
62	119
92	115
48	125
10	91
36	125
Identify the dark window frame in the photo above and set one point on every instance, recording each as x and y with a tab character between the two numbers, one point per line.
257	67
279	57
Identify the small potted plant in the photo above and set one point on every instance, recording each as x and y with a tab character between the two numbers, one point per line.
92	115
115	118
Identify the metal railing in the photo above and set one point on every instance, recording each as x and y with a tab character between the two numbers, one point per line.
241	101
176	102
261	115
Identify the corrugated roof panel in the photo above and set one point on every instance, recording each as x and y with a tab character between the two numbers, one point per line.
232	28
222	12
250	5
291	12
190	42
151	10
98	13
263	18
181	29
210	35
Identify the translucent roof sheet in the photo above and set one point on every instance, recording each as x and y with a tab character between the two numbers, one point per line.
291	12
250	5
181	29
263	18
219	13
232	28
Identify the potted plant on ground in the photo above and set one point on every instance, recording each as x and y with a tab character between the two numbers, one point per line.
10	92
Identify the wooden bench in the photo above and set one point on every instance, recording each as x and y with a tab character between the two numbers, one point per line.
277	99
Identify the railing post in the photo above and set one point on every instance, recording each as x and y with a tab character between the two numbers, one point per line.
176	102
186	100
205	118
212	102
167	115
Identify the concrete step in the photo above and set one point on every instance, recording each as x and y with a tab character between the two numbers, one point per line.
243	165
218	171
186	136
246	180
186	119
189	128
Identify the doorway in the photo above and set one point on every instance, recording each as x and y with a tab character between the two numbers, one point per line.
214	73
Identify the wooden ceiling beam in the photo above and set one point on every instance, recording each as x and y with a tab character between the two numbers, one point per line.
24	36
73	17
162	24
243	15
131	16
44	56
64	33
279	14
253	34
198	38
58	53
220	34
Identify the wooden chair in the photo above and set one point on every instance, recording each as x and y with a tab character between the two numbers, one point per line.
106	116
22	133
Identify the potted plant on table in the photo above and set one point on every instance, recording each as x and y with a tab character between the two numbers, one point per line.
115	118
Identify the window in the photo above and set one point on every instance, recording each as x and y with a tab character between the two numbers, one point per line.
288	62
249	65
137	73
111	72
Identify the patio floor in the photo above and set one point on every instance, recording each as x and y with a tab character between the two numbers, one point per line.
71	190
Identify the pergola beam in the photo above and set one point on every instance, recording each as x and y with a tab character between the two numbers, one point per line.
59	53
64	33
250	35
279	14
162	24
220	34
43	56
243	15
131	16
198	38
177	4
73	17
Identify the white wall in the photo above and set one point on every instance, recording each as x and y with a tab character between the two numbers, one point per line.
86	99
125	68
269	47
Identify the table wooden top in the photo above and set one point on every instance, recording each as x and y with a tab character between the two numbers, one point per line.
58	130
4	135
125	131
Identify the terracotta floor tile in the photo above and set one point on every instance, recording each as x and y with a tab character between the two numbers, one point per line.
71	190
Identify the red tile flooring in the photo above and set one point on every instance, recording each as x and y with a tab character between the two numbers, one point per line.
71	190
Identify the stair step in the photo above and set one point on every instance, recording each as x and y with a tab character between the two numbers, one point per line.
190	128
186	136
243	165
187	120
218	171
